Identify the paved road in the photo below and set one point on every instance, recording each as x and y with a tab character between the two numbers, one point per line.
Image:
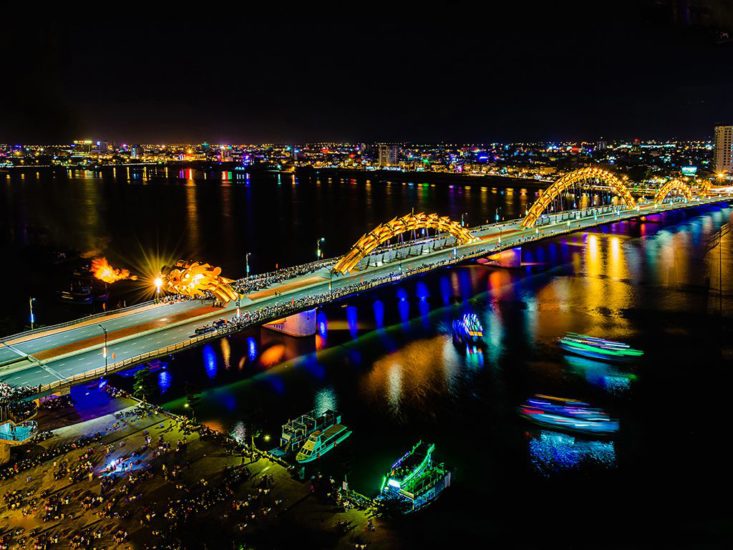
75	362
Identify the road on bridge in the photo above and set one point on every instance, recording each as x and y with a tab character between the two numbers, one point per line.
58	353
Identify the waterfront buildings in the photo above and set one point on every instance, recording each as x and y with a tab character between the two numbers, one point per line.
723	155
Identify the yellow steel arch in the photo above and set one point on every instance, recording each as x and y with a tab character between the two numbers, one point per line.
570	179
384	232
703	187
675	185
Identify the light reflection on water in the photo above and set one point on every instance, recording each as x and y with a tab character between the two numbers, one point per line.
553	452
397	378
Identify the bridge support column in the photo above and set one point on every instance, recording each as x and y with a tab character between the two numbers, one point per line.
4	453
300	324
508	258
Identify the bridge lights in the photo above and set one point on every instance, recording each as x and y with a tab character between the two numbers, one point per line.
246	264
319	252
104	348
31	317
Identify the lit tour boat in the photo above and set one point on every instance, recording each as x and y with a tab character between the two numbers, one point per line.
414	480
468	332
295	432
322	441
567	414
598	348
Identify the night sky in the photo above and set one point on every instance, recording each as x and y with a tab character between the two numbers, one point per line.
650	69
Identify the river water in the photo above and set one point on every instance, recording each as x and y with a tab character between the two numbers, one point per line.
386	361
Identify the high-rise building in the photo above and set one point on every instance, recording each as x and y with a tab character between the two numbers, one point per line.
136	152
388	154
723	149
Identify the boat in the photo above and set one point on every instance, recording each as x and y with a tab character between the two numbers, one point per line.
321	442
468	332
598	348
567	414
414	481
295	432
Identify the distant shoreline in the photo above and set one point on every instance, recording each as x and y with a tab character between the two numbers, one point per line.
390	175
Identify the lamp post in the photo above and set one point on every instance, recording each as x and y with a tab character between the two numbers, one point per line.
32	317
246	263
104	349
319	252
158	285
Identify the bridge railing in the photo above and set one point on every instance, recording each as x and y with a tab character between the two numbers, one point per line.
300	304
75	321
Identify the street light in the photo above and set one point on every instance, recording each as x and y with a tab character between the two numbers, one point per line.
32	317
319	252
246	263
104	349
158	285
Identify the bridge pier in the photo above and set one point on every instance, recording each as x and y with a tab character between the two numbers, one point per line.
299	324
511	257
4	453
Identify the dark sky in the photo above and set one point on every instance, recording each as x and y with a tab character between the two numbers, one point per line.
451	73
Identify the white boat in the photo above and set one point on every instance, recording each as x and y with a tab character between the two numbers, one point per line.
322	441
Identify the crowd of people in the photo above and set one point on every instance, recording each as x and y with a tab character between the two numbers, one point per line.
10	394
254	283
108	480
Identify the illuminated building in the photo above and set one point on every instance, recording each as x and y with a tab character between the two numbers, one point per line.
388	154
723	156
136	152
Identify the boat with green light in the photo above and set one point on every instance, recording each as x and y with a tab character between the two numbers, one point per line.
321	442
599	348
414	481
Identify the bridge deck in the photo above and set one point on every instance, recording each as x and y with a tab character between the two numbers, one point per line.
58	354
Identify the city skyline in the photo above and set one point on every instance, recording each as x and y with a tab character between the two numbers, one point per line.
642	70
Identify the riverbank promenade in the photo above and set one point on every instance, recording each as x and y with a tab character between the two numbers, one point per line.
136	477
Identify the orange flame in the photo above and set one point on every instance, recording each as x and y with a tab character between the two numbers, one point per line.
103	271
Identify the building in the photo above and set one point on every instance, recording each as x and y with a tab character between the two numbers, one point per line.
723	156
388	154
136	152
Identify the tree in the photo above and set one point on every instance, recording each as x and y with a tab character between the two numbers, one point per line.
143	385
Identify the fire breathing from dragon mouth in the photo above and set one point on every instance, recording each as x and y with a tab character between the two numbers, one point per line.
103	271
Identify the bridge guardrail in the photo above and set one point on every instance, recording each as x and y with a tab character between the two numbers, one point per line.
75	321
331	295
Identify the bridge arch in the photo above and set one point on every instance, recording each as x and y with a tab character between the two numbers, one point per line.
703	187
570	179
673	186
396	226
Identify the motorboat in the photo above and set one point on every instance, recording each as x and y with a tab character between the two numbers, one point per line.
567	414
468	332
598	348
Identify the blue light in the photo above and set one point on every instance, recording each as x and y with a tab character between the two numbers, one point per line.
422	290
251	349
403	305
445	290
352	320
379	314
210	361
164	381
322	323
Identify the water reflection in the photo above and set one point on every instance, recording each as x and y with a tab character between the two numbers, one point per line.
410	377
325	400
553	452
601	374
